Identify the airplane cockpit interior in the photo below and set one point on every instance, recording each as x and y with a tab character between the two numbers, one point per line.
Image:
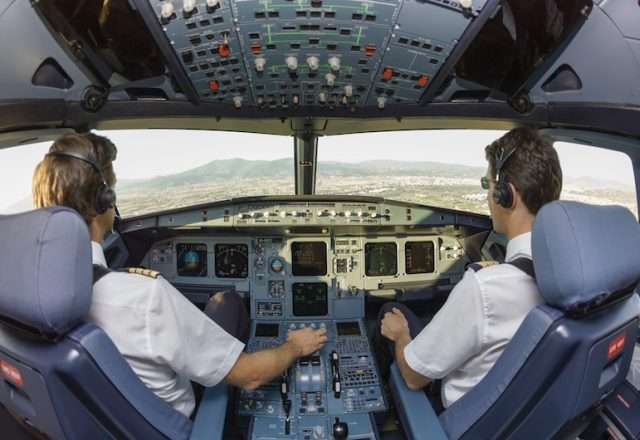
323	251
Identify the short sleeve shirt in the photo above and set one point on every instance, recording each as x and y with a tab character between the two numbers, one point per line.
166	340
469	333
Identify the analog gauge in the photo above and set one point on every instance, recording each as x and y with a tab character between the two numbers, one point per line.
277	265
232	261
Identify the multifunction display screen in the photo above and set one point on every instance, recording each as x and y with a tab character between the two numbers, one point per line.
350	328
309	258
192	259
232	260
310	299
419	257
380	259
267	330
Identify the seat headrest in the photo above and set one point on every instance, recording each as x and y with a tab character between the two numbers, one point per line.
583	253
45	269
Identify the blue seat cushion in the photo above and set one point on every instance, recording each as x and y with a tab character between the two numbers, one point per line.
582	253
45	268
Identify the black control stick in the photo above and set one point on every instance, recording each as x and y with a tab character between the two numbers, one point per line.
287	416
335	372
340	430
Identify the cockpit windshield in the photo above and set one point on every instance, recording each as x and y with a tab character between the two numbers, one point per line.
159	170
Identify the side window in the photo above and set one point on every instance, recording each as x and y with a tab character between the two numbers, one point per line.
597	176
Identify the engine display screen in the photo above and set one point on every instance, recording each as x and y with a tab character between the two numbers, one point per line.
267	330
419	257
310	299
381	259
309	258
192	259
232	260
350	328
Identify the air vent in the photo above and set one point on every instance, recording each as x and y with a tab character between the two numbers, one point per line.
563	79
51	74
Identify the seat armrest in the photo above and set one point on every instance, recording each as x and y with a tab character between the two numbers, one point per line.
417	417
623	409
209	422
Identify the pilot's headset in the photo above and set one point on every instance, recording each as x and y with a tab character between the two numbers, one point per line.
502	193
105	196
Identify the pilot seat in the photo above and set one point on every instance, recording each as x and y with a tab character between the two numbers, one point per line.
59	375
569	354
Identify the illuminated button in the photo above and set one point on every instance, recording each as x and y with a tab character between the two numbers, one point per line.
332	213
334	63
295	99
283	214
466	4
256	48
223	50
382	102
213	3
374	214
387	74
214	86
422	81
331	79
347	213
167	10
359	213
322	97
313	63
348	90
292	63
237	101
188	6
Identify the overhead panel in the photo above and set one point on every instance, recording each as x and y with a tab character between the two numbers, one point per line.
297	53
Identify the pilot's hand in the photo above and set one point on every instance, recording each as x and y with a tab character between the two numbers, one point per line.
394	325
307	340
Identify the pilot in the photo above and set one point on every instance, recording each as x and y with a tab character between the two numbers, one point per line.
482	313
165	339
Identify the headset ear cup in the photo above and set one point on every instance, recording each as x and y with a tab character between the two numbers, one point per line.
105	198
502	195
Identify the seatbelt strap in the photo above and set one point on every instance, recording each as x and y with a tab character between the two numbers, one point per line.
99	271
525	265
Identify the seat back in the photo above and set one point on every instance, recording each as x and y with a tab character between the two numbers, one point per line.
570	353
63	377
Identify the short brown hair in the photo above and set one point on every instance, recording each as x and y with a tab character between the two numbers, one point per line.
71	182
533	168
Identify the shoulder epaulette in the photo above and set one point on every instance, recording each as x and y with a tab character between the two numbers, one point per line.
140	271
482	264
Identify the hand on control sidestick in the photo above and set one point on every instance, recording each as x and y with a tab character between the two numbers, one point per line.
394	325
307	340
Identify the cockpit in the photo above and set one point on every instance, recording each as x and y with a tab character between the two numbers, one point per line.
323	160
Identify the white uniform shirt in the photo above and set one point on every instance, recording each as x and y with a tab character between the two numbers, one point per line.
469	333
165	339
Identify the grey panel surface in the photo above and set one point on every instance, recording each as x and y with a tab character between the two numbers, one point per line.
613	78
626	15
27	50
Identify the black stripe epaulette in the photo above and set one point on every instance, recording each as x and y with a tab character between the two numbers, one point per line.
141	271
479	265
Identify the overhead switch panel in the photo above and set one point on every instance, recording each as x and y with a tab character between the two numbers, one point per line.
325	53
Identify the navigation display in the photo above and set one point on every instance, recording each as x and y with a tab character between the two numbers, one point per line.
309	258
381	259
232	260
310	299
192	259
419	257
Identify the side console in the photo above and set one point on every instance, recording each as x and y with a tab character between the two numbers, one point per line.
332	394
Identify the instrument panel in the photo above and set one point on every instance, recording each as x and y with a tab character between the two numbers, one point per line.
281	272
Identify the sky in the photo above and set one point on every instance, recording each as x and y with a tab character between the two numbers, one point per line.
145	154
